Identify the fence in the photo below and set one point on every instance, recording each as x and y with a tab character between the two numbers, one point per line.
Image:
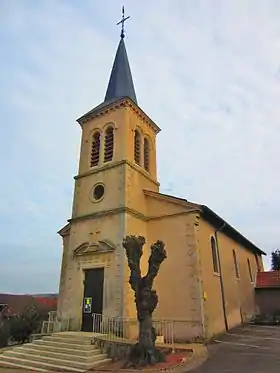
167	331
54	325
117	328
52	316
49	327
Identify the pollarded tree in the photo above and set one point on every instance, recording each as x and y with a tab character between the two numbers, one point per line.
275	260
146	299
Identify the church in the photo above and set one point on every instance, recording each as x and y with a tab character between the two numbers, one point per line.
206	284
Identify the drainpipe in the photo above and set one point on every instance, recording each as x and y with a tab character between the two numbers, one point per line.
221	275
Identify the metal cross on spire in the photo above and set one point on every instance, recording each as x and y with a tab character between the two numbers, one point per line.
122	21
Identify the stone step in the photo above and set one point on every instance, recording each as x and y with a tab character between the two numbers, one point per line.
54	343
34	365
57	360
67	339
43	347
68	352
80	335
56	351
8	364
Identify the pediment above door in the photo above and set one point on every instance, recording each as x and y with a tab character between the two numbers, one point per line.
99	247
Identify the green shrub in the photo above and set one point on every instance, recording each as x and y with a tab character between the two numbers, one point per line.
25	324
4	334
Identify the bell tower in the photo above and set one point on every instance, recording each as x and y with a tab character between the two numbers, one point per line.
117	163
118	147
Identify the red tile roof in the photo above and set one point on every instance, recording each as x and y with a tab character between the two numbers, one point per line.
269	279
17	303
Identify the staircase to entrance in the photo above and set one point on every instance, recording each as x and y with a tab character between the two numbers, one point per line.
64	351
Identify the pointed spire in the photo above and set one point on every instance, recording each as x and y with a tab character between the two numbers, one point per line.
121	82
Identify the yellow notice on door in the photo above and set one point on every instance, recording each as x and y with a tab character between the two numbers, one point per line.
87	305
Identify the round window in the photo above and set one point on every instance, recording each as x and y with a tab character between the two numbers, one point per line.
98	192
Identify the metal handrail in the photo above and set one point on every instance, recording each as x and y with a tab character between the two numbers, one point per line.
119	328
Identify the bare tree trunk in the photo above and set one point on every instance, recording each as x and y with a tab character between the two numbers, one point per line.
146	299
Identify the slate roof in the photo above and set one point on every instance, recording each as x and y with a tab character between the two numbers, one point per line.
219	223
120	84
216	221
269	279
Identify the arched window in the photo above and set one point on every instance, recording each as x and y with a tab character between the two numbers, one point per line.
95	149
146	154
137	144
214	255
250	270
235	264
109	144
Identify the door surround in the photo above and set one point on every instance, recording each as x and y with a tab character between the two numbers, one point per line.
86	293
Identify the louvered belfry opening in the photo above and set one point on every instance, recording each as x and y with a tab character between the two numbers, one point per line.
95	150
109	144
137	153
146	154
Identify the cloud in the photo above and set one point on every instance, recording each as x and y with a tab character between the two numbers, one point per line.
206	72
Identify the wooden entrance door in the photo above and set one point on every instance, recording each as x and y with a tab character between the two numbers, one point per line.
93	296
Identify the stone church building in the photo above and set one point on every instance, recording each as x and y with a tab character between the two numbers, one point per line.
206	284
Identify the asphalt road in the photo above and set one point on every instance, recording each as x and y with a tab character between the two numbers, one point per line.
245	349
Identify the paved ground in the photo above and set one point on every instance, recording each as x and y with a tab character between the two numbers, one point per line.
245	349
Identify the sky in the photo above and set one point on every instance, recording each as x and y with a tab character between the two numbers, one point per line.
207	72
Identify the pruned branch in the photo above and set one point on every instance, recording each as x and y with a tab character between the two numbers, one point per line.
134	250
158	255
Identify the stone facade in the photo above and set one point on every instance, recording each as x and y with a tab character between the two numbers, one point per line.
130	204
239	291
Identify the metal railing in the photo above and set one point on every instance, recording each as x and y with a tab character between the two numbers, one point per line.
52	316
54	325
49	327
117	328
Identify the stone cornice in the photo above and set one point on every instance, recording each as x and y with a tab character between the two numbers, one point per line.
143	116
160	217
172	199
119	210
64	231
130	211
113	165
102	110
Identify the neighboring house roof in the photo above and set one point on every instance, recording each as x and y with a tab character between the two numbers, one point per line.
268	279
47	302
3	306
215	220
17	303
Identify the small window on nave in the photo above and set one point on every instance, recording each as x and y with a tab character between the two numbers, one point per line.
109	144
250	270
214	255
236	269
95	149
137	146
